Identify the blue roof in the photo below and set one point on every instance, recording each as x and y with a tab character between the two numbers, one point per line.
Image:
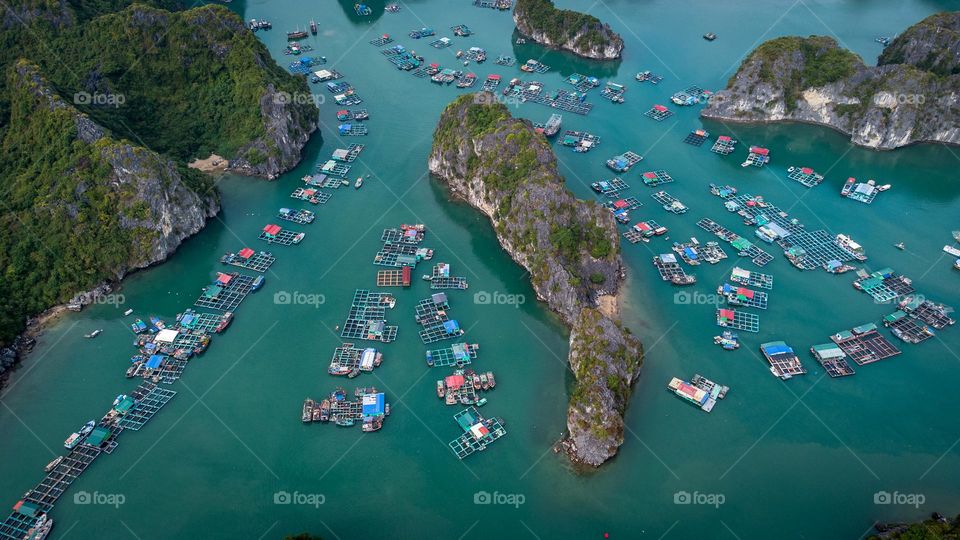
376	408
451	326
154	361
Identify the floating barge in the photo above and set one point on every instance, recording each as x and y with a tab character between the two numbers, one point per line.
742	296
610	188
303	217
744	247
274	234
833	359
258	261
724	145
351	361
656	178
623	162
580	141
440	278
670	270
478	432
669	202
864	344
463	387
491	83
738	320
614	92
752	279
906	328
932	314
806	176
784	363
697	137
658	113
394	278
458	354
367	317
700	391
227	291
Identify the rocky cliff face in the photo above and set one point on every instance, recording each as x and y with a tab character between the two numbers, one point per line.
502	167
579	33
912	96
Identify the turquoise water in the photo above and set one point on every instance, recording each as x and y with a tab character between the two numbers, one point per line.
796	459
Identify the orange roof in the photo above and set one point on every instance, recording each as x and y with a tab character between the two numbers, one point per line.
246	253
271	229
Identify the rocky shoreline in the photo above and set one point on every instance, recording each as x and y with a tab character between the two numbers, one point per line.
581	34
503	168
911	96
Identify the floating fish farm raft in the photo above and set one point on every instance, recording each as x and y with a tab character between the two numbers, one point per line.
335	168
478	432
385	39
400	254
864	344
533	66
274	234
752	279
310	195
302	217
500	5
906	328
349	154
347	100
461	30
305	65
463	387
700	391
756	211
431	314
738	320
784	363
742	296
352	130
621	208
610	188
758	157
934	315
148	400
646	76
691	95
491	83
369	407
394	278
643	230
697	137
351	361
580	141
440	278
658	113
583	83
507	61
422	33
560	99
226	292
656	178
614	92
367	317
883	285
744	247
724	145
258	261
325	75
810	250
458	354
805	176
864	192
833	359
724	192
670	270
399	57
669	202
476	54
441	43
624	162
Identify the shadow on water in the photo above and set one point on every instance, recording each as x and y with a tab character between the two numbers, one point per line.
353	10
563	62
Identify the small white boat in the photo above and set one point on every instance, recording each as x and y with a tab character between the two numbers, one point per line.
883	187
899	245
94	334
359	183
127	312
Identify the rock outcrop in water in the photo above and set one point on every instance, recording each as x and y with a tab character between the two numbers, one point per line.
912	95
83	206
579	33
502	167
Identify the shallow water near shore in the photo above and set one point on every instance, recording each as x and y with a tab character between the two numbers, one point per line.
804	457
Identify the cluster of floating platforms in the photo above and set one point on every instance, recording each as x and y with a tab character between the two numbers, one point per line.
621	208
671	270
624	162
742	296
351	361
310	195
368	407
582	83
299	216
784	363
933	314
367	317
658	113
833	359
757	157
431	314
724	145
738	320
699	391
864	192
458	354
614	92
478	432
647	76
610	188
274	234
811	250
441	279
463	387
394	278
669	202
751	279
643	230
744	247
351	152
384	39
227	291
656	178
864	344
500	5
692	95
907	329
806	176
697	137
724	192
580	141
258	261
884	285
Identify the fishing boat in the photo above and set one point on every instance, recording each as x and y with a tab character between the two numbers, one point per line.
307	415
93	334
484	382
325	410
225	321
74	438
53	464
127	312
848	186
297	34
313	27
553	125
491	380
317	412
40	529
709	36
359	183
728	340
441	389
884	187
899	245
157	322
372	424
258	282
481	402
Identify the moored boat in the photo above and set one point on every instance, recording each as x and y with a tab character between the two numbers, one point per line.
307	415
53	464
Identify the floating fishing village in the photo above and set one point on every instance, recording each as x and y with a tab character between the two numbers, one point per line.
747	235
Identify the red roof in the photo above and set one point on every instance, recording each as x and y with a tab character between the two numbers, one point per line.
746	292
806	170
726	313
310	192
723	138
660	108
751	203
620	204
650	175
434	65
223	278
759	150
246	253
271	229
406	275
642	226
494	77
454	381
343	112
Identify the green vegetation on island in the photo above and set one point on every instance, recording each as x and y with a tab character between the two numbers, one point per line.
580	33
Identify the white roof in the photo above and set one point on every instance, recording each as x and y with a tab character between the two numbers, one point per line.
322	73
166	336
